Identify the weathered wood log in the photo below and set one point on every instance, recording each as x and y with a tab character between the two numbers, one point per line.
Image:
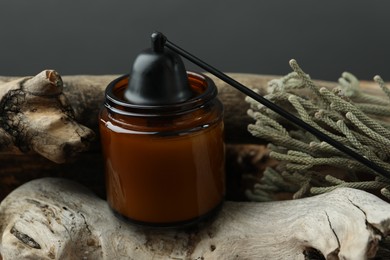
35	115
59	219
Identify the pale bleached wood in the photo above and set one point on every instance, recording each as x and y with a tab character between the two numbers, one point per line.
59	219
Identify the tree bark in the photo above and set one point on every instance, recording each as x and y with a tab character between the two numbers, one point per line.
59	219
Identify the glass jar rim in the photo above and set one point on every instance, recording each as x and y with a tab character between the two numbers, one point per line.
120	106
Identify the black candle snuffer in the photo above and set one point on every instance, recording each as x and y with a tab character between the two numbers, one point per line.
162	136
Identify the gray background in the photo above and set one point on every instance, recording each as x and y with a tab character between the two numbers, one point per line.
104	36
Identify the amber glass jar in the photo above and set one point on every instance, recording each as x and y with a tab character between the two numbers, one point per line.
164	164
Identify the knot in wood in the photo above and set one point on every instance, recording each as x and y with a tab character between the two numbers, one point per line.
10	108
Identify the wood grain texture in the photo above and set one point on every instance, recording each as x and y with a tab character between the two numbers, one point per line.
58	219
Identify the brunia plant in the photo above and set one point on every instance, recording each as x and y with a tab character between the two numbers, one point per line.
346	113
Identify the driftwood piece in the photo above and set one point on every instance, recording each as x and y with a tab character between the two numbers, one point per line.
58	219
35	115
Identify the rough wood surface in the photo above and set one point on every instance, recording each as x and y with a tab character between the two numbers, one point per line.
35	116
58	219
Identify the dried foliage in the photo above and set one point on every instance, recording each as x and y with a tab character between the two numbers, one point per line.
346	113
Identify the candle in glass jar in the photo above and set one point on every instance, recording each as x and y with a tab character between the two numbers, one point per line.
164	164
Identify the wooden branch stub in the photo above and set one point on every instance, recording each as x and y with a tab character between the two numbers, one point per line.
46	83
58	219
35	115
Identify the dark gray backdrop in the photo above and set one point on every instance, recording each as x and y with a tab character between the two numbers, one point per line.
104	36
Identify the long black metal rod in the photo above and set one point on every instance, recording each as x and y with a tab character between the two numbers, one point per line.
292	118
